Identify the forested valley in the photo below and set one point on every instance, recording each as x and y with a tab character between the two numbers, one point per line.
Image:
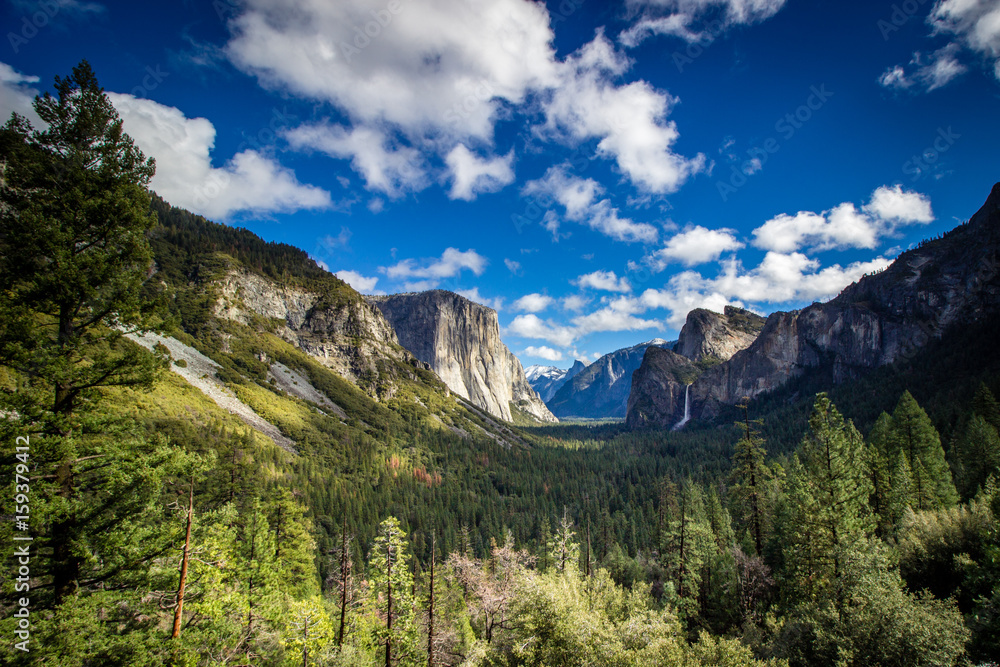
854	524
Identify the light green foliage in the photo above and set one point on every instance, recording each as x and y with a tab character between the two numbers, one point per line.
391	588
877	622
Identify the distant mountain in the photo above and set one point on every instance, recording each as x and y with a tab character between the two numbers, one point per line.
460	340
935	289
601	390
546	380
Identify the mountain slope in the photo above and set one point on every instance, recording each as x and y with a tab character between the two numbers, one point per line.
460	340
601	390
546	380
881	319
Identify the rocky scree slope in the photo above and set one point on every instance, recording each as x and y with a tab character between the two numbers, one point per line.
460	340
876	321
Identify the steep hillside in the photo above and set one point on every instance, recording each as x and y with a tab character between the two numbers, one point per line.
881	319
602	389
460	340
546	380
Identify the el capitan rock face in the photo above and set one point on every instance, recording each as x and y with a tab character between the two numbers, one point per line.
460	340
873	322
710	334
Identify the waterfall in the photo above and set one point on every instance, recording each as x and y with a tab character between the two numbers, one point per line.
687	408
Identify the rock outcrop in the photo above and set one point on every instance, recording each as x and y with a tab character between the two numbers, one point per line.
709	334
342	331
878	320
460	340
546	380
658	389
601	390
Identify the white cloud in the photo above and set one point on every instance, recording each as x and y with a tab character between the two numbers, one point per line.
474	295
574	302
512	266
976	24
617	315
534	303
928	72
543	352
359	282
695	20
430	272
603	280
844	226
17	95
891	203
431	67
578	196
472	175
629	120
185	176
532	326
696	245
386	166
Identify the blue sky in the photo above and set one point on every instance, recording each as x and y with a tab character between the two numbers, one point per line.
593	170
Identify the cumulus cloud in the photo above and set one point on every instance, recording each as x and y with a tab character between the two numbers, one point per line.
543	352
532	326
695	20
249	181
975	23
579	198
430	272
472	175
696	245
431	66
17	95
630	121
386	166
604	280
574	302
845	226
474	295
534	303
359	282
927	72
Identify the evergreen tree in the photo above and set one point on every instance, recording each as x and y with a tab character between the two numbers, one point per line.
828	498
750	476
913	433
74	212
392	582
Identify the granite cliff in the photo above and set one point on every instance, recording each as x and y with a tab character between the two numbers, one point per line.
876	321
717	336
460	340
342	331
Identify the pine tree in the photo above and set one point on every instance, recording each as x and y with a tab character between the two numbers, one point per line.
913	433
74	212
829	497
392	583
750	477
